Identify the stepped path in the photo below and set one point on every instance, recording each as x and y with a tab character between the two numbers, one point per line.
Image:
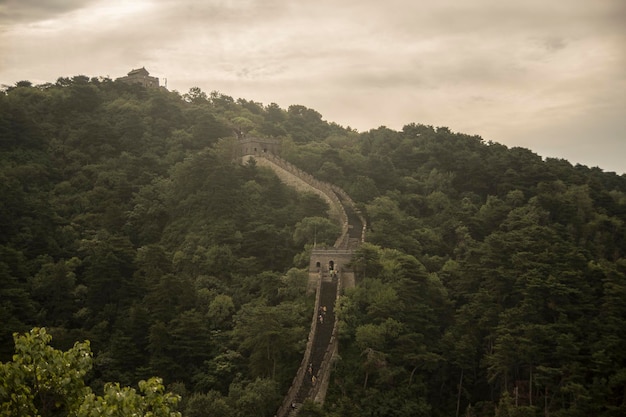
328	274
323	334
356	224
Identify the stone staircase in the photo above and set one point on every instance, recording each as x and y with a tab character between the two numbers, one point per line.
313	376
321	340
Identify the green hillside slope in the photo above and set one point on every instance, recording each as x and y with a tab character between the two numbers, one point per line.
492	284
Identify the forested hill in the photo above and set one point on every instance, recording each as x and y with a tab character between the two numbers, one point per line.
492	284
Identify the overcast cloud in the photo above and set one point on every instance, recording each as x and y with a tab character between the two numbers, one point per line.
545	75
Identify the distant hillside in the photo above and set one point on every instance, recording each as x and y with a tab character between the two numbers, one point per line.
492	284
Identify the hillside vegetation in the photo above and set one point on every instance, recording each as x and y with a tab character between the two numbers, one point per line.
492	282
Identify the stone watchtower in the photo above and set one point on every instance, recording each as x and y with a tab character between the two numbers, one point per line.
327	264
259	146
140	76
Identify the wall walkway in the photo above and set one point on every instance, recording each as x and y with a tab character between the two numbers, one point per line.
328	275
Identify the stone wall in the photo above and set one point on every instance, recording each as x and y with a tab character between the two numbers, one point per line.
320	261
299	378
305	182
319	264
253	145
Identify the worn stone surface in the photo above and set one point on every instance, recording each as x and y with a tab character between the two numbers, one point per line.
329	273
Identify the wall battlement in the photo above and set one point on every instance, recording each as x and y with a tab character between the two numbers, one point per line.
329	271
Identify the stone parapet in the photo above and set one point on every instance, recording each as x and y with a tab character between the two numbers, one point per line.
296	384
305	182
326	265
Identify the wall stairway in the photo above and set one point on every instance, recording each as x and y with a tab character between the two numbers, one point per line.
313	376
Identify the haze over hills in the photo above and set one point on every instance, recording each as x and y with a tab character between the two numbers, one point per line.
491	283
550	79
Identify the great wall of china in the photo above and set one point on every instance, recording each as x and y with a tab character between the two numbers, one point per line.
329	274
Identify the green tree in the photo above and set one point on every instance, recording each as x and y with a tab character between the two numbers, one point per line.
109	266
316	230
270	336
196	96
46	382
221	310
311	409
53	287
212	404
257	398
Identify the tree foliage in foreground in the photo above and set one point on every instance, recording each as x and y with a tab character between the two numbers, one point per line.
45	381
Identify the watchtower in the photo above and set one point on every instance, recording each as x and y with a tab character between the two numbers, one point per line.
327	264
258	146
140	76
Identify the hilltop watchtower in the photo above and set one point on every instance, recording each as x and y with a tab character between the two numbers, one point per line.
140	76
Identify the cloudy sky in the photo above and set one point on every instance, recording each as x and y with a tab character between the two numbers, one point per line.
544	75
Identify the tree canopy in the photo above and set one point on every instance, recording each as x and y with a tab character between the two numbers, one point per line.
491	284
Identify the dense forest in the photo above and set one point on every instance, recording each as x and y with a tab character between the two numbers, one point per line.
492	282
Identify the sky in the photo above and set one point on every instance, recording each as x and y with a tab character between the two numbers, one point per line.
549	76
